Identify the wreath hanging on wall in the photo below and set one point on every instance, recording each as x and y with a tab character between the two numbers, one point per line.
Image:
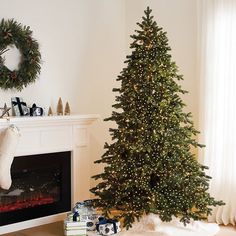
13	33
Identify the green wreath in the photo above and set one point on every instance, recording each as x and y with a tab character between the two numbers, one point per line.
13	33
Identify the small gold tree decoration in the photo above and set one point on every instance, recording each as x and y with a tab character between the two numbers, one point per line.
59	107
67	109
50	111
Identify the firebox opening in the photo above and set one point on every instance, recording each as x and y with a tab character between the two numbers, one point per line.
41	186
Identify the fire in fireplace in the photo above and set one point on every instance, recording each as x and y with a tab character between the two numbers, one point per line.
41	186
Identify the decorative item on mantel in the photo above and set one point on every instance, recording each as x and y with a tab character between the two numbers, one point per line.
67	109
19	108
5	111
59	107
50	113
36	111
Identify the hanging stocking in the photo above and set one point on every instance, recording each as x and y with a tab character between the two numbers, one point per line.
8	143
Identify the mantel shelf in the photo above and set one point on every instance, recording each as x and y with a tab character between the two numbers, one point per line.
79	119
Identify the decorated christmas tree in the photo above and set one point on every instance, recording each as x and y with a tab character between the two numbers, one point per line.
149	167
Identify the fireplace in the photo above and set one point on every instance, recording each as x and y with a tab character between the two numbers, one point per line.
41	186
50	134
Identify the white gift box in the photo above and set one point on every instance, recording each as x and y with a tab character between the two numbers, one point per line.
108	228
91	221
19	107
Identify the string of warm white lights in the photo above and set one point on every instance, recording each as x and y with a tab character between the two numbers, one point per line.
149	166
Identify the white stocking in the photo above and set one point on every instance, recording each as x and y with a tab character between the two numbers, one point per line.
8	143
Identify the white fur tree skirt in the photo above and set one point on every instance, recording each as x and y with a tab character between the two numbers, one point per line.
151	225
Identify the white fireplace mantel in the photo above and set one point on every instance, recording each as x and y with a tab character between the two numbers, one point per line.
55	134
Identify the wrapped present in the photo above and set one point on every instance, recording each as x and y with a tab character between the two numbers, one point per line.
36	111
74	225
91	221
87	214
85	207
19	108
77	228
108	226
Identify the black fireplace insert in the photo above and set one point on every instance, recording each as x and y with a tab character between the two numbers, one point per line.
41	186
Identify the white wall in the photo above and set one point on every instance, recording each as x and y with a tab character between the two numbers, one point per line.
73	35
103	56
83	45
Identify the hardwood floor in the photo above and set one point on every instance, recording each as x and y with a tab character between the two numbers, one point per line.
56	229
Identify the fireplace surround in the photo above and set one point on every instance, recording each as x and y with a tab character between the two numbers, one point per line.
41	186
52	135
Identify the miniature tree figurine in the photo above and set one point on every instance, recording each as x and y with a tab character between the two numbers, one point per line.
67	109
59	107
50	113
149	167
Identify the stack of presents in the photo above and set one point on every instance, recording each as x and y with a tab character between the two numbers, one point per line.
84	218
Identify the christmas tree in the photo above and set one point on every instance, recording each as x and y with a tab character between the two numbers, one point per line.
149	168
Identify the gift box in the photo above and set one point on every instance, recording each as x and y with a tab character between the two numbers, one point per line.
19	107
36	111
74	228
91	221
87	214
108	226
